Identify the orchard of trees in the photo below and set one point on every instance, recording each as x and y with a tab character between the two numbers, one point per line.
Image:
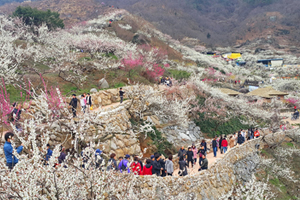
33	16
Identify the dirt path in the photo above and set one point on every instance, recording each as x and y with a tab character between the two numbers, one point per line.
211	159
289	115
109	106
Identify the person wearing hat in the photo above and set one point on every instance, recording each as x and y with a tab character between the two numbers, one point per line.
11	160
98	158
124	164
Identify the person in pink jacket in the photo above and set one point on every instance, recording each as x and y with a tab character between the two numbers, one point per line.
195	151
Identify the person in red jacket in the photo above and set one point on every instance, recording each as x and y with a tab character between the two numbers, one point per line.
256	133
147	170
224	144
136	166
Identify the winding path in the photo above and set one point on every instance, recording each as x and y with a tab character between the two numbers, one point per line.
211	159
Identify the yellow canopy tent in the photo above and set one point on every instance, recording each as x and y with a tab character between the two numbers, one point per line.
235	55
232	55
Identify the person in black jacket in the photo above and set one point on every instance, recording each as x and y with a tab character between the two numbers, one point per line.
112	163
240	139
215	146
88	102
182	167
190	156
73	103
201	152
163	166
182	152
121	95
220	146
203	143
156	167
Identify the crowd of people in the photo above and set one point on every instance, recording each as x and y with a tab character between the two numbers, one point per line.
237	138
157	164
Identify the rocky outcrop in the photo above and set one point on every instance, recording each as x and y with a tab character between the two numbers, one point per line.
107	97
179	135
103	84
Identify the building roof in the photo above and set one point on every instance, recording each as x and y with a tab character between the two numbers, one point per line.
229	91
267	92
274	59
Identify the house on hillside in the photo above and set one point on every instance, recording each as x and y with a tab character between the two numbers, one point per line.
272	62
229	92
232	55
268	94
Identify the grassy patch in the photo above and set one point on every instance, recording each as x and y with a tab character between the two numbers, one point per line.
290	144
179	74
213	127
14	94
118	85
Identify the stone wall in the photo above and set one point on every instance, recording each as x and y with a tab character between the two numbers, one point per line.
211	184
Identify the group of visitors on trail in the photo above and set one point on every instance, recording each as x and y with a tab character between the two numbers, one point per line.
155	165
85	103
237	138
165	81
12	160
190	156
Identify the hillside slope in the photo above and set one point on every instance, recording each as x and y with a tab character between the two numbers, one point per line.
214	23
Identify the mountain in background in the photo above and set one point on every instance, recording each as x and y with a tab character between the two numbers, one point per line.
221	22
212	22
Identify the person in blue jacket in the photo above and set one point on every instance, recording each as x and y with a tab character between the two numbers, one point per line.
49	153
124	164
11	160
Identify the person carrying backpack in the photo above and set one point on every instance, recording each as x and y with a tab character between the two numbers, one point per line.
123	165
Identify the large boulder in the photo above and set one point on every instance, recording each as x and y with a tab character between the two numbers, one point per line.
103	83
93	90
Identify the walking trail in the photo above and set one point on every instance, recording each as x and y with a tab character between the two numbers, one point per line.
211	159
290	120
